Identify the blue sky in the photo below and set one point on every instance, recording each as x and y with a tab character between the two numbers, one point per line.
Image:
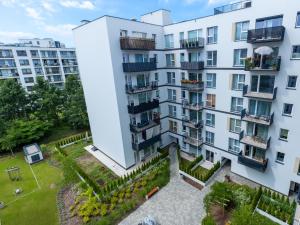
56	18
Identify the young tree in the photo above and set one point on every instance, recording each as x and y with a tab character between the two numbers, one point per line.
13	101
46	101
75	112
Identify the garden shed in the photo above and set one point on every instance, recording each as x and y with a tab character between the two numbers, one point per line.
32	153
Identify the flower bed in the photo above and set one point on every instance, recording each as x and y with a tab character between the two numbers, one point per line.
277	205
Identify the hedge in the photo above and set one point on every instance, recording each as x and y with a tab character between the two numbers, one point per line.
72	139
197	160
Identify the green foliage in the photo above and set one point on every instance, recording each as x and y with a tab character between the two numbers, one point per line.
208	220
256	198
197	160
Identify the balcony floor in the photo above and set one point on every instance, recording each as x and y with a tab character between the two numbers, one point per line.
251	141
256	120
268	96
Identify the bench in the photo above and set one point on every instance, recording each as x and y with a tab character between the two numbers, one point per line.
152	192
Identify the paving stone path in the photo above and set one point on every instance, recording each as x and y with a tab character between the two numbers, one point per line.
178	203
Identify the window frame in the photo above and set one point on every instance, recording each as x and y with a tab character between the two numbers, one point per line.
235	129
214	35
172	60
210	119
172	110
214	57
239	75
278	159
171	78
295	58
288	80
233	142
209	137
284	107
170	39
173	94
236	100
280	134
297	20
211	81
242	31
240	59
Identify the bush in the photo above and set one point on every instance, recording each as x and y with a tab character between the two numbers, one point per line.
192	164
208	220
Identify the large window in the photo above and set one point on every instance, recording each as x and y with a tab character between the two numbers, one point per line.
173	126
263	83
235	125
260	108
298	20
283	134
241	30
211	58
292	82
24	62
170	60
239	57
211	80
171	95
287	109
209	137
238	81
28	80
169	41
212	35
21	53
296	52
26	71
236	104
233	145
210	119
171	77
269	22
172	110
280	157
211	100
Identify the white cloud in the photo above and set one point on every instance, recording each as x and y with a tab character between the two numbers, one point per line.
211	2
62	30
7	3
77	4
48	6
10	37
33	13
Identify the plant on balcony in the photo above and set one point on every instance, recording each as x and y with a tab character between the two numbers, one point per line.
249	63
185	81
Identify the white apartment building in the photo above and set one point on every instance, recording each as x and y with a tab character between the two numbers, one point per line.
225	86
31	58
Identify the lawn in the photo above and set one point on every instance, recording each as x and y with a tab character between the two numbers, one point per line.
35	205
201	171
184	162
90	165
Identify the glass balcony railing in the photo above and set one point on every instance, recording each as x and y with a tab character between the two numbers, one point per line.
192	85
232	7
267	34
146	143
261	119
139	66
192	65
134	43
142	107
133	89
192	43
256	141
259	165
272	64
192	105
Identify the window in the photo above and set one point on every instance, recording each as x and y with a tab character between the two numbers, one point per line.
29	88
28	79
280	157
238	81
170	60
210	119
292	82
211	58
233	145
156	76
182	75
211	100
173	126
283	135
235	125
296	52
182	94
26	71
211	80
209	137
212	35
24	62
241	30
34	53
181	57
171	95
239	57
236	104
262	83
39	71
169	41
172	110
181	36
298	20
171	77
287	109
157	93
139	34
21	53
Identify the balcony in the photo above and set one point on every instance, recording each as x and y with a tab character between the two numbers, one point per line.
134	43
259	165
196	124
192	141
145	106
268	34
192	106
192	43
232	7
136	128
192	85
255	141
192	65
252	64
139	66
147	143
264	120
138	88
261	95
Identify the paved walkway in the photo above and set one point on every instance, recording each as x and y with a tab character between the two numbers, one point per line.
178	203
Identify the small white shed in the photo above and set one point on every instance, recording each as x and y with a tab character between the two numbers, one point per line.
32	153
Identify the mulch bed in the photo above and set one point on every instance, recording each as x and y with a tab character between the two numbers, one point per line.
193	183
221	217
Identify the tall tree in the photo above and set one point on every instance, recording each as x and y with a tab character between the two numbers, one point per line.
13	100
75	112
46	101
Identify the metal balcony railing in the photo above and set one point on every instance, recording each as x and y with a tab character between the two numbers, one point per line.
256	141
273	64
145	106
192	65
259	165
261	119
139	66
267	34
192	85
192	43
132	89
147	143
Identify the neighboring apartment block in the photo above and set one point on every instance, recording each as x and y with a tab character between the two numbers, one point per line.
225	86
31	58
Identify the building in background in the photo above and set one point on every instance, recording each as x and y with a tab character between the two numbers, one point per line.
31	58
224	86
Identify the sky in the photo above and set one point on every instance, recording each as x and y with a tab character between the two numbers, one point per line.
56	18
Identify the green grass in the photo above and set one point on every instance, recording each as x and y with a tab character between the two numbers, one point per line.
200	170
185	163
34	205
92	166
262	219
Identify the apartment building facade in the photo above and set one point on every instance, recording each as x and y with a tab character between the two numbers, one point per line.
32	58
224	86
